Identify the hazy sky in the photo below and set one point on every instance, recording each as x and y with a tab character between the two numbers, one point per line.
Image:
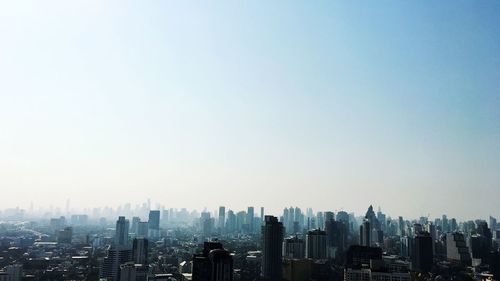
328	104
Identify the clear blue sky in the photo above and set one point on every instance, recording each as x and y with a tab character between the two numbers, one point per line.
328	104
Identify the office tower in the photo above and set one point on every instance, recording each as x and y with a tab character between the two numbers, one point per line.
316	244
482	229
241	217
261	215
135	225
250	220
116	256
207	224
456	249
164	217
329	216
272	238
405	246
121	234
214	264
154	224
293	248
431	228
401	226
142	229
445	225
365	231
417	228
336	235
222	219
140	247
493	224
65	235
320	220
230	222
422	259
479	246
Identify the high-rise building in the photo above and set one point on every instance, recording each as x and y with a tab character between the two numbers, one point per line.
336	233
115	256
272	238
316	244
121	234
422	258
135	225
261	215
230	222
154	224
493	224
250	220
293	248
65	235
140	247
365	233
456	249
222	219
143	229
214	264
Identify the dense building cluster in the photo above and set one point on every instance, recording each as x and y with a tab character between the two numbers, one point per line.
143	244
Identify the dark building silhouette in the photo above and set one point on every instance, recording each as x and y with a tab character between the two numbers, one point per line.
272	238
316	244
116	256
422	258
140	247
214	264
358	255
336	233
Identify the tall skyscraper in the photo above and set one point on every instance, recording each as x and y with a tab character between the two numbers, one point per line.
272	238
422	258
154	224
121	234
135	225
214	264
140	247
316	244
115	256
250	219
336	233
365	233
222	219
230	222
142	229
294	248
456	249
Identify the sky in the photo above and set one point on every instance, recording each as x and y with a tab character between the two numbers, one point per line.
333	105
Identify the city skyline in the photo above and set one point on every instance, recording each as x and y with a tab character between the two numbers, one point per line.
327	105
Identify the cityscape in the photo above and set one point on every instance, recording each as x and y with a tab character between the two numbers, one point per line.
142	243
236	140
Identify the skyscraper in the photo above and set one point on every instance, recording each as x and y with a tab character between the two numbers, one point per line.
154	223
121	234
422	258
250	220
456	249
316	244
214	264
115	256
222	219
272	238
294	248
140	247
365	232
336	233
